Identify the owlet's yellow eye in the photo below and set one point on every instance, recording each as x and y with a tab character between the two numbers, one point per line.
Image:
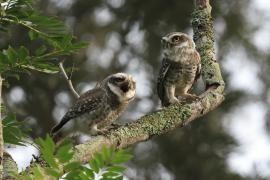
119	79
176	39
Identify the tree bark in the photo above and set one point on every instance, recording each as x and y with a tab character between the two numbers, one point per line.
10	167
1	132
174	116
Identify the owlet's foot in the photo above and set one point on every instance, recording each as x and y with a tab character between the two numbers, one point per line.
114	126
173	100
188	97
102	131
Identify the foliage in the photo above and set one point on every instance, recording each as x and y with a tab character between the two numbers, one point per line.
106	164
50	39
59	163
13	131
54	40
48	33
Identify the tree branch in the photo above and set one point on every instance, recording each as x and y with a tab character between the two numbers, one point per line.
70	85
156	123
174	116
1	132
10	167
204	39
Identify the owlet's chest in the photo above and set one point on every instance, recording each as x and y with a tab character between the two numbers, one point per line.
181	73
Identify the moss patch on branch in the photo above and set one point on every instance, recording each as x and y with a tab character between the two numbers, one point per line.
204	38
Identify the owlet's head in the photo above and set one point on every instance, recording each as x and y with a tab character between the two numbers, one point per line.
175	42
122	85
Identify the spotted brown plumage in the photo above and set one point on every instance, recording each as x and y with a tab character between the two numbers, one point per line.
180	68
98	108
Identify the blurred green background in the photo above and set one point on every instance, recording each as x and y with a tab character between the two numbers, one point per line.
231	142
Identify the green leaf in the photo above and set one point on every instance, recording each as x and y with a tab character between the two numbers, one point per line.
119	178
32	35
47	148
71	166
53	172
94	165
106	152
13	131
99	160
42	67
23	53
88	172
74	175
41	50
121	156
3	58
11	54
64	153
38	174
83	176
110	175
118	169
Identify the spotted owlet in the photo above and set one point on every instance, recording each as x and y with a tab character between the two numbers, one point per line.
180	68
96	109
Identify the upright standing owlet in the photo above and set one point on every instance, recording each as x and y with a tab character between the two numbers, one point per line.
180	68
97	108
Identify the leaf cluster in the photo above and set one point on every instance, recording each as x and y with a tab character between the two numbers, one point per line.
50	34
59	163
13	131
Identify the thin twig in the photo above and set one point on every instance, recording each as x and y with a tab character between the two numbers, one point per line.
68	80
72	68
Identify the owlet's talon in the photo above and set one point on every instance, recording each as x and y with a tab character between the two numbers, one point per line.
173	100
102	132
115	126
189	97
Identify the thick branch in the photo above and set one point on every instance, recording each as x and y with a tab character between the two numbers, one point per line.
203	4
70	85
174	116
1	132
147	126
10	167
204	38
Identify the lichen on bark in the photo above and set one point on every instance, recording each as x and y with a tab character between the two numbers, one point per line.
10	167
204	38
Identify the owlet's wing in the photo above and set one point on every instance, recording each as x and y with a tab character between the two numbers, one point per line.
86	103
161	77
197	60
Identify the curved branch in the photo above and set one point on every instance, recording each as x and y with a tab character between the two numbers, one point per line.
174	116
1	131
157	123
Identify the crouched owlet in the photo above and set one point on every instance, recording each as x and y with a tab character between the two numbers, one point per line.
180	68
98	108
